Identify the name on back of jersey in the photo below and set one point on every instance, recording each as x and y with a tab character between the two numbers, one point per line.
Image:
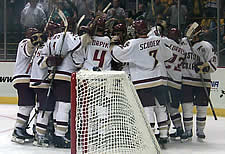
100	43
149	44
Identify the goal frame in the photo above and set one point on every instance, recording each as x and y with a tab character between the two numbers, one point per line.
73	114
73	121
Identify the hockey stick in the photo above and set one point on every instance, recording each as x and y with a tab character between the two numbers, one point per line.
35	114
204	86
33	54
107	7
207	95
53	72
79	22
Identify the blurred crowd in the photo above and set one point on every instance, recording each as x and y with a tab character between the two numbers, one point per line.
35	13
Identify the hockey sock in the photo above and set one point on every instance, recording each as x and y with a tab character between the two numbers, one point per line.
201	117
42	123
175	117
162	120
23	116
62	118
54	114
188	115
149	111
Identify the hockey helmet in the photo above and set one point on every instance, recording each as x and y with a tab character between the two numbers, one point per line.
174	34
120	28
96	25
53	28
31	31
140	27
100	23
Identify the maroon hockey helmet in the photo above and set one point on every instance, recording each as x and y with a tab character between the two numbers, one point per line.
96	25
174	34
100	23
120	28
31	31
53	28
140	27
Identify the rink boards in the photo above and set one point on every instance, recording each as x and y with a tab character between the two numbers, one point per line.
8	93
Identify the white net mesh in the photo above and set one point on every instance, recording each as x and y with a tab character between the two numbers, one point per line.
109	116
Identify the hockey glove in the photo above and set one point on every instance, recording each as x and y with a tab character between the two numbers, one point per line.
202	68
54	60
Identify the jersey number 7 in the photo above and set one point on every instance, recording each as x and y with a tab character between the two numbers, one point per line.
153	54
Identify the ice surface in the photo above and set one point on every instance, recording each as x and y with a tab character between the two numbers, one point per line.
214	144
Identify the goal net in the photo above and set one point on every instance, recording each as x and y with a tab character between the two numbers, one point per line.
107	116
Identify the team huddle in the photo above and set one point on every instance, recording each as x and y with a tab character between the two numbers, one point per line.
166	70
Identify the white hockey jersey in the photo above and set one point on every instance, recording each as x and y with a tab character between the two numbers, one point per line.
174	65
96	54
22	62
146	58
200	52
38	74
65	48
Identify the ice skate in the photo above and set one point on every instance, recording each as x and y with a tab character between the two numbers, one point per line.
41	141
177	135
163	142
201	136
187	136
61	142
21	136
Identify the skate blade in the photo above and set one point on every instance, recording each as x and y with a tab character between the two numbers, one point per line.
186	140
29	140
201	139
35	143
17	140
175	138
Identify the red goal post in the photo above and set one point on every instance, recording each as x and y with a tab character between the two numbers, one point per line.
107	116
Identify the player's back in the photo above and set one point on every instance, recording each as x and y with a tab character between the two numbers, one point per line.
61	44
145	57
65	48
97	54
21	65
22	58
37	73
174	65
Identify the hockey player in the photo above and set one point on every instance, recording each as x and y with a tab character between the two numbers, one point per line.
59	60
95	55
200	59
146	57
40	85
119	37
21	80
174	70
